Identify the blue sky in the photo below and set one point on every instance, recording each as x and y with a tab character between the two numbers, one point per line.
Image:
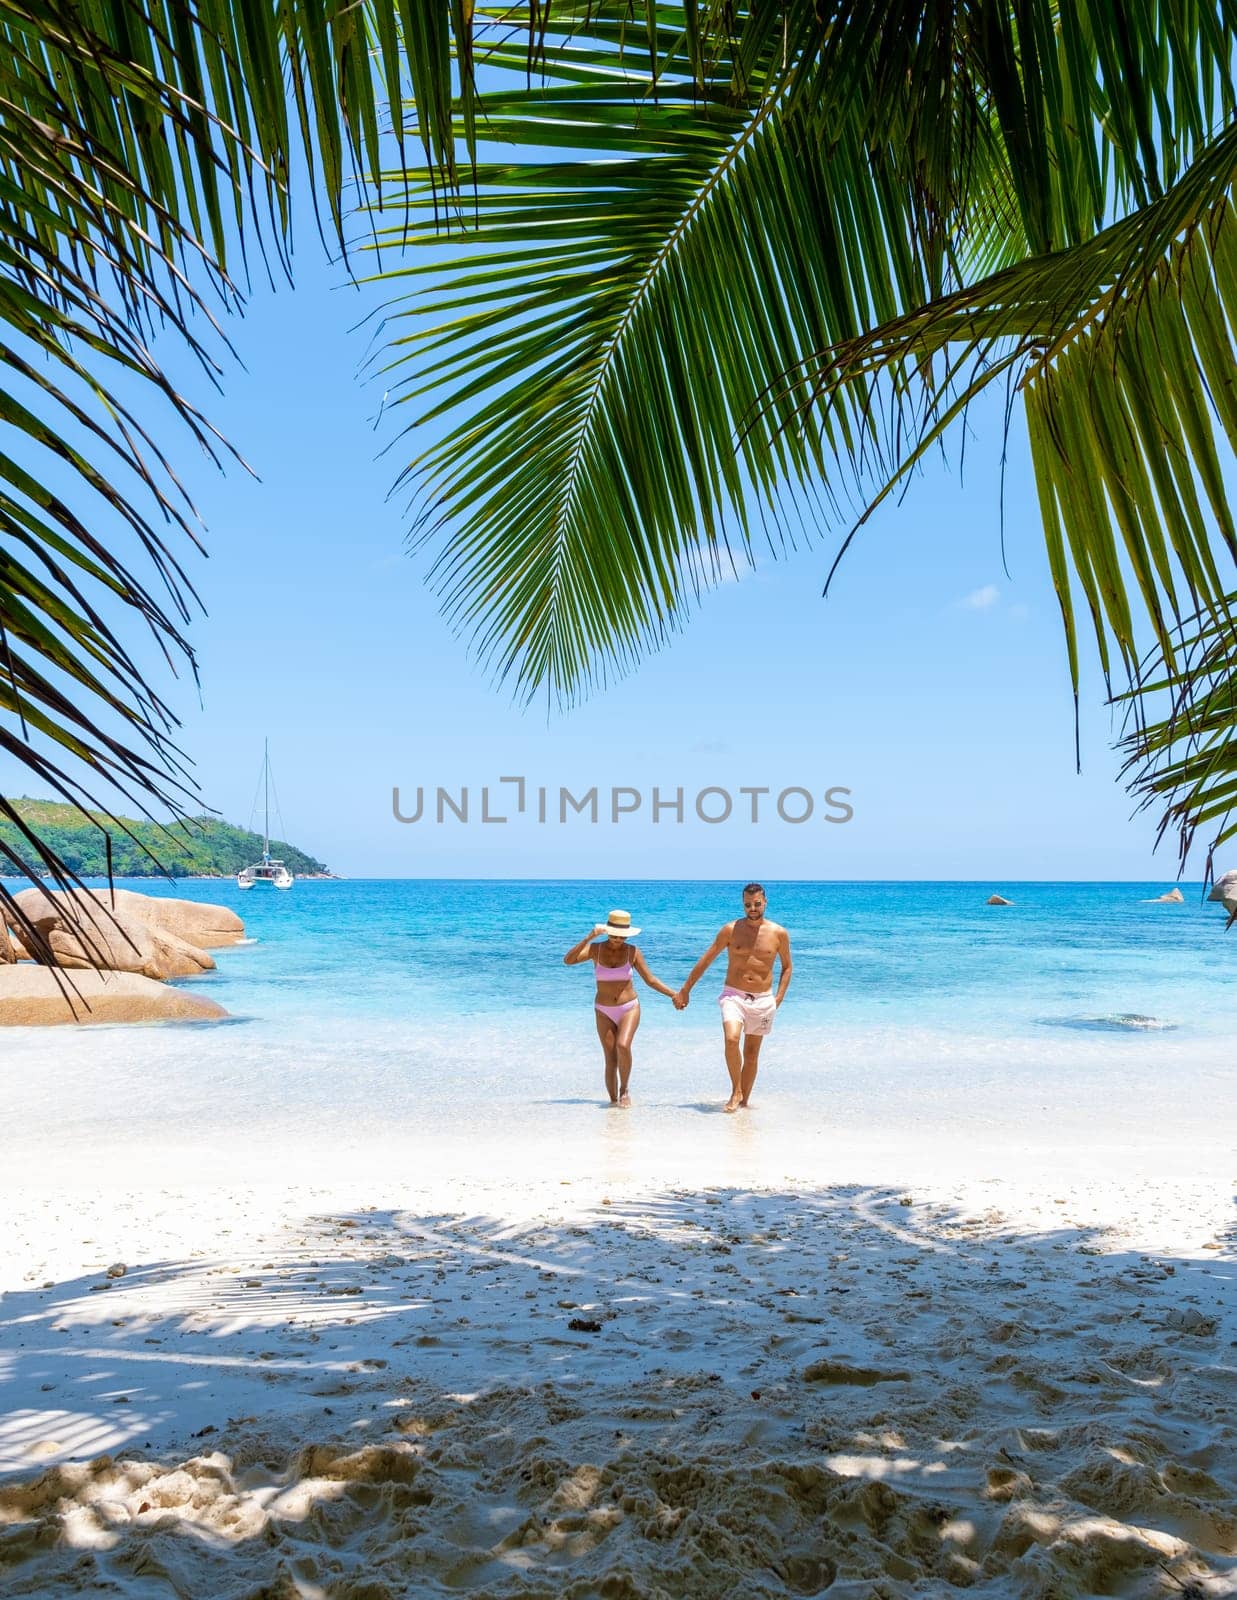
929	684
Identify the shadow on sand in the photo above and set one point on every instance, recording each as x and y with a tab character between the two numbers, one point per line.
698	1394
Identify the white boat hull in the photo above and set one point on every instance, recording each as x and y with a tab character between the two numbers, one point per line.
272	872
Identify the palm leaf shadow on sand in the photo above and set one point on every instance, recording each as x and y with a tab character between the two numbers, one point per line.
788	1393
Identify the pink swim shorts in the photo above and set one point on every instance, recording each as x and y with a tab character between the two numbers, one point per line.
754	1011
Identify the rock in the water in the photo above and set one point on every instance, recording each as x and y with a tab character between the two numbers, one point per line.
32	996
1114	1022
208	927
8	951
997	900
1224	889
84	932
1174	897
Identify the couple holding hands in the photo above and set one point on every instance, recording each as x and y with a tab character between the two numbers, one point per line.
747	1001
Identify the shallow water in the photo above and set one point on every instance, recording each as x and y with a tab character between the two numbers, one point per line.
401	1020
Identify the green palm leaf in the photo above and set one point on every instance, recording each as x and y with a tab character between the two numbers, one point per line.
1123	350
942	180
619	306
140	142
1183	760
607	323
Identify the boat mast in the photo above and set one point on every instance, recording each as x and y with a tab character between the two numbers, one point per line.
266	799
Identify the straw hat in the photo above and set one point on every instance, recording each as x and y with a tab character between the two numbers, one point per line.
618	925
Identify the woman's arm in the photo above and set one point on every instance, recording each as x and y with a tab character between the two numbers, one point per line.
580	952
637	961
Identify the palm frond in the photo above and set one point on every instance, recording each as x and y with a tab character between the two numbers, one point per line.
142	143
677	214
1183	761
71	226
200	104
1094	107
1123	351
617	297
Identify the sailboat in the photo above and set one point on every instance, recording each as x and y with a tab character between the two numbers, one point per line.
266	870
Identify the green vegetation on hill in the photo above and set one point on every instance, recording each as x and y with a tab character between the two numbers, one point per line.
205	847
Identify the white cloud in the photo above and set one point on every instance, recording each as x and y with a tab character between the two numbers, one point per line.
718	565
981	599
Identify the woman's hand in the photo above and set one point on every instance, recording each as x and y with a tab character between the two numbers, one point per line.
599	932
578	954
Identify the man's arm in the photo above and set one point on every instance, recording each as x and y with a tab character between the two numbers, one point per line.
783	950
706	961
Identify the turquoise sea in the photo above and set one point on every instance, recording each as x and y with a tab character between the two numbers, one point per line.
409	1019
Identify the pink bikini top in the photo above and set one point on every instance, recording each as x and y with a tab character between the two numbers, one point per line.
613	974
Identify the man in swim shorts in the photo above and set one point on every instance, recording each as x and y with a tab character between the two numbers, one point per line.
747	1001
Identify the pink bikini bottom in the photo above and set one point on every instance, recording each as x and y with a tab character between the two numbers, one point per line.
616	1013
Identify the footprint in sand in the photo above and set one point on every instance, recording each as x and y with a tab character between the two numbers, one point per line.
841	1372
808	1574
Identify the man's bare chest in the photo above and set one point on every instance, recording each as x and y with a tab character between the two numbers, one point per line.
761	948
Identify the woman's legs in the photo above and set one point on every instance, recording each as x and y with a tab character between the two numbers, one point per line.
626	1033
607	1032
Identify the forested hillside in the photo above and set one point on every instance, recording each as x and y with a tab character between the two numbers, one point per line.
207	847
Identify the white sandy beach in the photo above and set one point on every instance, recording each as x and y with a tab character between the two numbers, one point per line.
1014	1373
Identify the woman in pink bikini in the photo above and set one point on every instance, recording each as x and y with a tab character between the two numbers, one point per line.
616	1007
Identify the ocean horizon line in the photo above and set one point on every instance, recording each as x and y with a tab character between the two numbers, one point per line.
347	877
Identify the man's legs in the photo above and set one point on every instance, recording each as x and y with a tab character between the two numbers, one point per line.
734	1063
608	1035
751	1059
